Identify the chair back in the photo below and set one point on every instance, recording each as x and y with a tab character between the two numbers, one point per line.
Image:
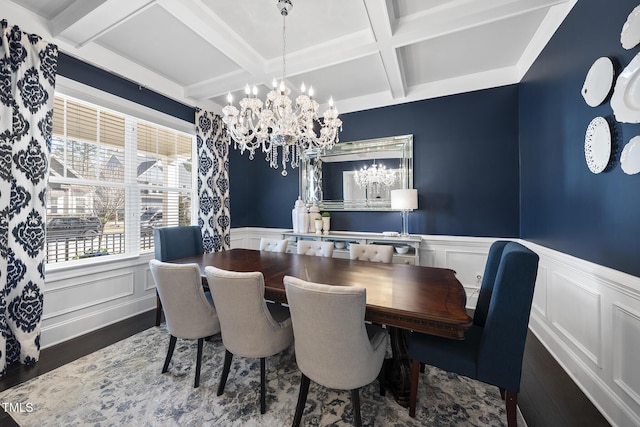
315	248
501	347
177	242
188	312
248	329
331	343
273	245
374	253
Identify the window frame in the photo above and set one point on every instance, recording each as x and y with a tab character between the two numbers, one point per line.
133	190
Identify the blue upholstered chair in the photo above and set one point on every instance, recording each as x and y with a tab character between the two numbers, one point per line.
172	243
493	347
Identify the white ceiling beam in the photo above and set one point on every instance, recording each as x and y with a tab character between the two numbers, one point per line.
199	18
380	15
549	25
83	23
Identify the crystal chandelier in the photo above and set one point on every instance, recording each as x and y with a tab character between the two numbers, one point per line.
276	123
376	174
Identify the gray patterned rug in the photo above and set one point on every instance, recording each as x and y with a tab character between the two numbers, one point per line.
121	385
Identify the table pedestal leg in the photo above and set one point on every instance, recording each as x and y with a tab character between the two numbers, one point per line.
398	368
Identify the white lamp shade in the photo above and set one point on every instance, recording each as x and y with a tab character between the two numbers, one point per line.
404	199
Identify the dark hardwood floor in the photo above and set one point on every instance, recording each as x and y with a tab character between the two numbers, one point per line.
548	397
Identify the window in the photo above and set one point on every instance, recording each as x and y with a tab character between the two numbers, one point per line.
112	179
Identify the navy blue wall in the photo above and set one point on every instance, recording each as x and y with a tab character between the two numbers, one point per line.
564	205
466	169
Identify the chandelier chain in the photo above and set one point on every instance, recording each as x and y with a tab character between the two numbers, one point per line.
284	46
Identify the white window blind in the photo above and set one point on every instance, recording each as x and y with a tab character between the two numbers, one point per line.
113	178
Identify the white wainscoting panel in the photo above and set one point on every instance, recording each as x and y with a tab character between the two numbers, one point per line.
592	328
576	314
626	350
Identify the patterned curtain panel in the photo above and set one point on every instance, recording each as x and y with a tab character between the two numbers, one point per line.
213	181
27	77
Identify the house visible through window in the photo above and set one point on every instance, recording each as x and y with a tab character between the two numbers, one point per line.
112	179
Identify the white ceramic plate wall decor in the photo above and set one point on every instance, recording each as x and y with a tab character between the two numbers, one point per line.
630	158
597	145
598	82
630	34
625	100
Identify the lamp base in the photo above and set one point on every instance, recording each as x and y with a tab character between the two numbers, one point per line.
405	220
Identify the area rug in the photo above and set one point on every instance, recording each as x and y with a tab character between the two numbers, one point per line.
122	385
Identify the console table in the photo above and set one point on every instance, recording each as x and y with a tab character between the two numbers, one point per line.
342	240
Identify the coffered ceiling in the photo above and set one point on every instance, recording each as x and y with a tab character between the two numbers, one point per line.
364	53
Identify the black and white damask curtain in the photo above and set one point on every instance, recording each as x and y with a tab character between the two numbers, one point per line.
213	181
28	67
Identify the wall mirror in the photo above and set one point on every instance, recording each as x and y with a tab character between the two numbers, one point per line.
357	175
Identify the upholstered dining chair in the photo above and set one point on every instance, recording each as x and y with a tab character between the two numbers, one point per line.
189	314
315	248
333	345
273	245
371	252
250	327
493	347
171	243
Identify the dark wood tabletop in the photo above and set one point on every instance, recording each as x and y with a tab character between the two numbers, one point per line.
423	299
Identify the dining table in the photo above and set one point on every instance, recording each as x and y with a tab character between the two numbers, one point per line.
402	297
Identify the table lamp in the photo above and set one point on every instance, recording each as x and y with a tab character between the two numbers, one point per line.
405	200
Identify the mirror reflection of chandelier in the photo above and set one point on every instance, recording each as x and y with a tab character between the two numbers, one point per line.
376	174
278	124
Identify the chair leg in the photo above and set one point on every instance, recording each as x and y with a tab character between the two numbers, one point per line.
413	394
501	392
158	310
421	368
198	362
302	399
172	346
381	380
263	386
225	371
511	399
355	402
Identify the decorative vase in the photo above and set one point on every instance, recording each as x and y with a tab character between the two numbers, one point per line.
314	213
326	222
318	225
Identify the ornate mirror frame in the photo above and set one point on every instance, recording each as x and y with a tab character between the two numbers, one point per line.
327	174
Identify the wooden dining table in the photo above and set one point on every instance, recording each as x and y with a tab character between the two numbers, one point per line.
402	297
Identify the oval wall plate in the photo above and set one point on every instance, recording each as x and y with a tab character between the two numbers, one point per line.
598	82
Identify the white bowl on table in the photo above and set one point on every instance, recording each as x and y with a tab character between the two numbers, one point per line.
402	249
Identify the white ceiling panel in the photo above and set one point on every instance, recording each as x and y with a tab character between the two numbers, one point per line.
310	22
477	49
366	54
167	45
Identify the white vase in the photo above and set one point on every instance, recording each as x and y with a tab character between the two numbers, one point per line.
326	222
318	225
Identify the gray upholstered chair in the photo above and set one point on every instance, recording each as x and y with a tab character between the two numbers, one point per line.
273	245
189	314
493	347
333	345
315	248
250	327
374	253
172	243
